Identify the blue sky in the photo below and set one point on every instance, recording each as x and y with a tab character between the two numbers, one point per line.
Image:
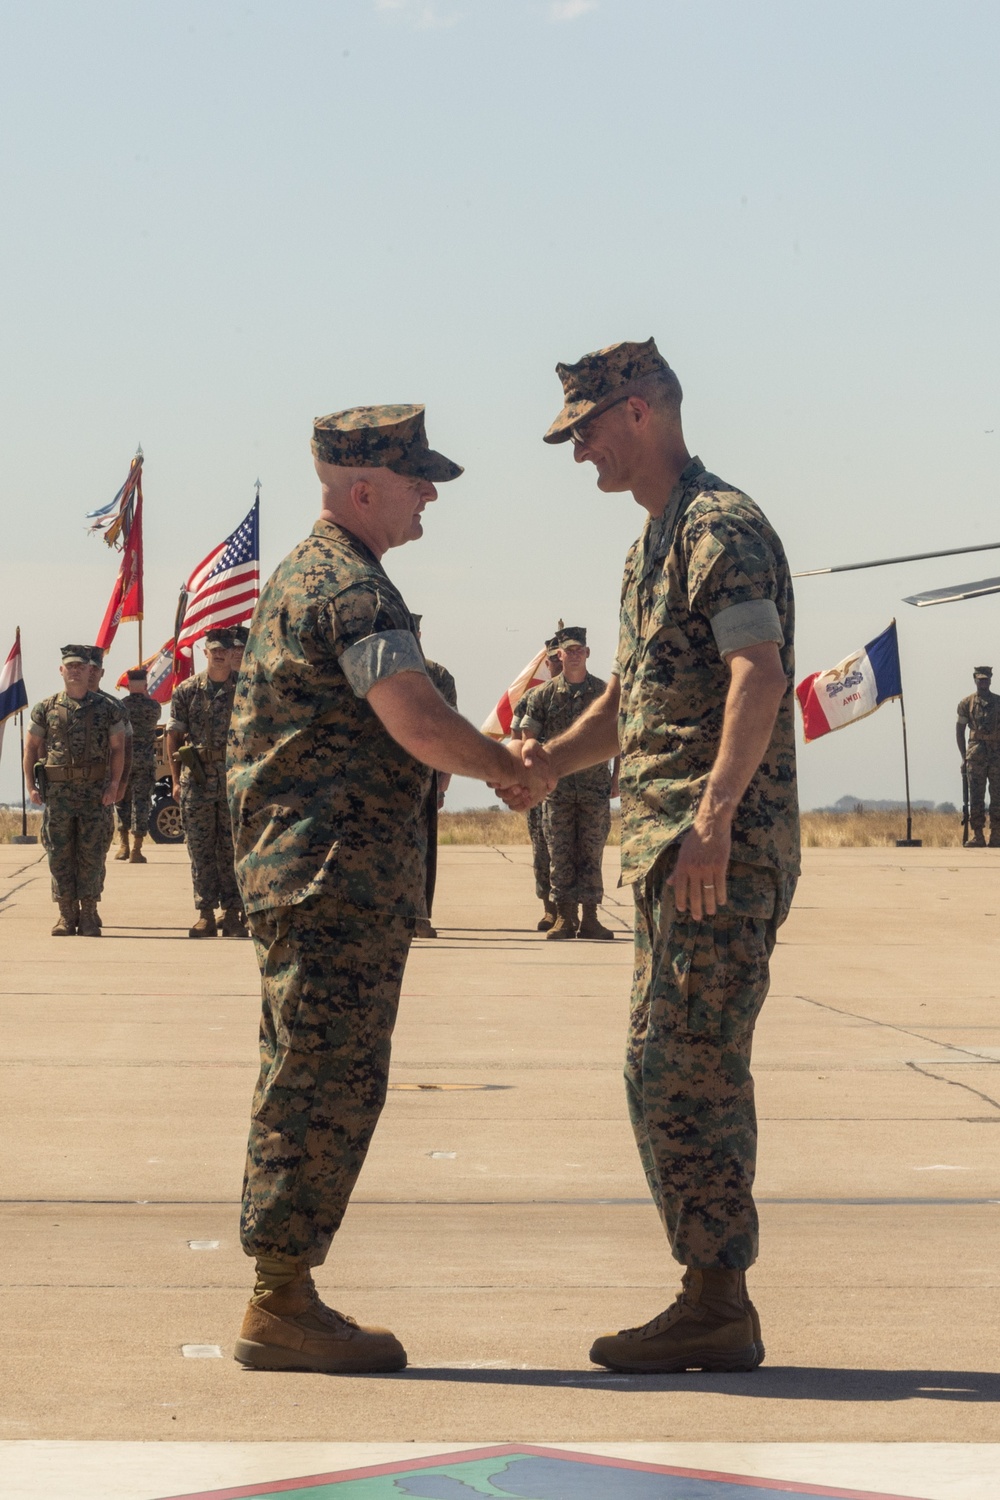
221	220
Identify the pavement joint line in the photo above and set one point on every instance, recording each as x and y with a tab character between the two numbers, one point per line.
855	1202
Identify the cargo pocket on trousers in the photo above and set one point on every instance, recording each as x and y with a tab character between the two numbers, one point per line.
699	963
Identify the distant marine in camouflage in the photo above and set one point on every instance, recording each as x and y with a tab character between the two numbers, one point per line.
143	714
78	736
198	728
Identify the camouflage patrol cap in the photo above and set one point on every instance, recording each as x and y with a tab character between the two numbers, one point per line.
381	437
240	635
136	674
982	671
96	655
76	653
599	380
572	635
551	645
219	637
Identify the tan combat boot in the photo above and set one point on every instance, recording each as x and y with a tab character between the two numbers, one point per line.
137	857
549	919
68	916
122	844
291	1329
424	929
232	924
205	925
591	928
708	1327
566	923
90	923
754	1319
977	841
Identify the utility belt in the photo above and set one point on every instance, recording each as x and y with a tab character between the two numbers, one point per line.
985	739
94	772
210	757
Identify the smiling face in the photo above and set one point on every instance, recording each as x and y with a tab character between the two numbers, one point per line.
613	442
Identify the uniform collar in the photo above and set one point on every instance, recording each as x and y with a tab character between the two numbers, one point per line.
340	536
658	534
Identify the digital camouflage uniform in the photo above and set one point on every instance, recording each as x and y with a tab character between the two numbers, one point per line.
981	716
76	736
133	807
536	819
707	577
576	816
200	710
328	812
445	684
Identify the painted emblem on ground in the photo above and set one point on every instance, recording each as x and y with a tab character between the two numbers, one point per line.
521	1472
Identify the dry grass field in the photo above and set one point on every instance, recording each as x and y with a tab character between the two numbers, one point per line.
819	830
863	830
10	823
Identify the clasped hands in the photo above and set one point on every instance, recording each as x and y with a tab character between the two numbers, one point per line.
531	776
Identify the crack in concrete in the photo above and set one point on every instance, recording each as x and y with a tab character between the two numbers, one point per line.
904	1030
955	1084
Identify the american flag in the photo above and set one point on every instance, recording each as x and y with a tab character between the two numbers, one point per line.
223	589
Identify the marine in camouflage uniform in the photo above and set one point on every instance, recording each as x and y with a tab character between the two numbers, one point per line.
80	740
576	816
133	807
979	714
706	579
540	863
200	713
96	674
329	813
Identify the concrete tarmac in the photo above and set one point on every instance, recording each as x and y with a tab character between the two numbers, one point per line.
501	1220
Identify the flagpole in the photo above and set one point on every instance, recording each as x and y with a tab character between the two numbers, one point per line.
909	842
142	561
24	798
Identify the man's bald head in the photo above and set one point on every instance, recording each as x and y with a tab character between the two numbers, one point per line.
377	505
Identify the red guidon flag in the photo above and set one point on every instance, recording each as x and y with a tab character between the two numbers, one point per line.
126	598
537	671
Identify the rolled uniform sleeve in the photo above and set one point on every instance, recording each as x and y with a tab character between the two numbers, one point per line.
733	582
179	721
963	713
37	726
379	656
372	640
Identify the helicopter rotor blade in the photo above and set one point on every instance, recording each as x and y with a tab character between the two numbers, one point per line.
956	593
885	562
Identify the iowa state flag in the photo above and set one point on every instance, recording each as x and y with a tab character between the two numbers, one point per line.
854	688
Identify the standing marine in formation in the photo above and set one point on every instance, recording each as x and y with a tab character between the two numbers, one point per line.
979	714
336	731
135	800
197	731
540	863
700	708
77	739
577	813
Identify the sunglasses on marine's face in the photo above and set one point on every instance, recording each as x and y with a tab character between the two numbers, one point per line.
580	431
